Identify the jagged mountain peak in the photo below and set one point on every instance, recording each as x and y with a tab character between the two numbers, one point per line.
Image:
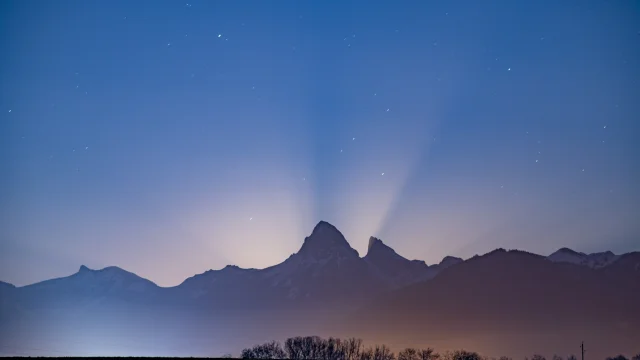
325	241
450	260
566	250
594	260
235	269
107	270
378	249
326	229
373	241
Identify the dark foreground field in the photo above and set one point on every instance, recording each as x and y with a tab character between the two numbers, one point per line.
105	358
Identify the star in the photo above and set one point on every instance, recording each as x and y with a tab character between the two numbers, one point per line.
603	127
382	174
340	150
509	69
219	35
250	218
501	186
387	110
86	148
582	170
353	139
169	44
304	179
9	110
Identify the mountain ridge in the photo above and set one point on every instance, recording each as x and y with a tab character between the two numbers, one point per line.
316	248
327	283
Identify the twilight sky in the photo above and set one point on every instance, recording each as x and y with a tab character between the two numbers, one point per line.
169	138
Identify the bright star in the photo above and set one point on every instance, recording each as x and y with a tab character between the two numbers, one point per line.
219	35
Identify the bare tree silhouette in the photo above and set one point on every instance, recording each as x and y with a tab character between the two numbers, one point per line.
408	354
382	352
366	354
352	348
271	350
619	357
316	348
538	357
428	354
462	355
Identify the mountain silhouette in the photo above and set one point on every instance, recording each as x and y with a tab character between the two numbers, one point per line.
327	286
503	293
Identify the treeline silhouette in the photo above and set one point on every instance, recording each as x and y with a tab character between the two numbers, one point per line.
317	348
